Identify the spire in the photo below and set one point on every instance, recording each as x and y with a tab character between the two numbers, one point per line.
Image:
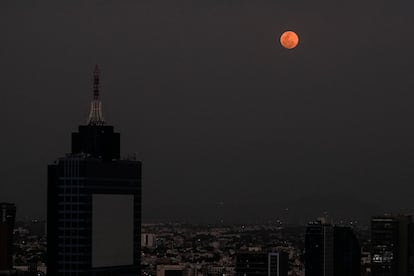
95	116
96	83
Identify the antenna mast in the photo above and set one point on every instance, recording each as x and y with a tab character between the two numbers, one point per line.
95	116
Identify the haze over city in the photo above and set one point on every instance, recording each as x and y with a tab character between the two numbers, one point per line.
229	125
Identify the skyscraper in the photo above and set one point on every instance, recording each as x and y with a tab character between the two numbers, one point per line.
391	245
277	264
7	219
331	250
261	263
347	252
94	203
319	249
251	262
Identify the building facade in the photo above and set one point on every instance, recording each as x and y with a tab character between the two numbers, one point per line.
319	249
94	204
7	220
278	264
261	263
170	270
148	240
391	246
347	252
331	250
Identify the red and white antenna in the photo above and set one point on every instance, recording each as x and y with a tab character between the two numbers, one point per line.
95	116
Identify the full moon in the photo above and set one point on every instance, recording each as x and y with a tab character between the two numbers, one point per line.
289	40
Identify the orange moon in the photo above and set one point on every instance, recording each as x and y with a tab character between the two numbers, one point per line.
289	40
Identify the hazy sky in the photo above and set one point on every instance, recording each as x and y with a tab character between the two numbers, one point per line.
227	123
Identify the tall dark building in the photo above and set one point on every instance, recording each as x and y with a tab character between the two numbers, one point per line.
347	252
277	264
262	263
331	250
391	246
7	219
319	249
94	204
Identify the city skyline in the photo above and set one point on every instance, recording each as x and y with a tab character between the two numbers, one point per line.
223	117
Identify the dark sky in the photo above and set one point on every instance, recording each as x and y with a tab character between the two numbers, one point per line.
229	124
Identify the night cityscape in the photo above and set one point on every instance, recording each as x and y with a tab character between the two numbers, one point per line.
207	138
